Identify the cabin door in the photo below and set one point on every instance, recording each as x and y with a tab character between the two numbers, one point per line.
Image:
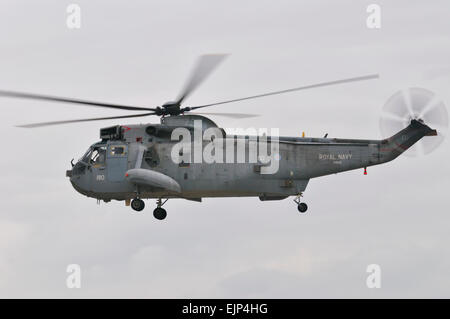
116	162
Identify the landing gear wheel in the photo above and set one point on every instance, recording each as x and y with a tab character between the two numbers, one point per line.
302	207
159	213
137	204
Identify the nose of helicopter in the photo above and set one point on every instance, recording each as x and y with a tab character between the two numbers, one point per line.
78	178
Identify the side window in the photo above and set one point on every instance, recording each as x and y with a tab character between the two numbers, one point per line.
98	156
117	150
151	157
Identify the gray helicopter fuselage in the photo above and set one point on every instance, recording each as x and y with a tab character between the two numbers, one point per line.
103	172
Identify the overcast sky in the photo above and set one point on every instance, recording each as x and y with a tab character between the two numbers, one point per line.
140	52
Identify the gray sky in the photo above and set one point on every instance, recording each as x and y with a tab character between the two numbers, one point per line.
140	52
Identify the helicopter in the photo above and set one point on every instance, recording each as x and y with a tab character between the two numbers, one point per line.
131	163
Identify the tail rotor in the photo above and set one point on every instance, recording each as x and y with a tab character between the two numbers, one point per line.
415	104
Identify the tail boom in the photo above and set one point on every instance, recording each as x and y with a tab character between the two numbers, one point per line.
395	145
332	156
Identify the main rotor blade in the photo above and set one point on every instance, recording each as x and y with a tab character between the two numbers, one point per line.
355	79
230	115
33	125
204	67
32	96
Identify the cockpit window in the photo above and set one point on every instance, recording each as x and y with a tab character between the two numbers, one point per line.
95	154
98	155
86	156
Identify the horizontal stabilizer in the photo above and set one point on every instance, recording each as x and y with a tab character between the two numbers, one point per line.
432	133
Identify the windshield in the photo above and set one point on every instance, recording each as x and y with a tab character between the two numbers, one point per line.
86	155
95	154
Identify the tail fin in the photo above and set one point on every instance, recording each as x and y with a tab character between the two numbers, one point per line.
395	145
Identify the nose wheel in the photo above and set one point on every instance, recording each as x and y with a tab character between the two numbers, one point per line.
137	204
302	207
159	212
